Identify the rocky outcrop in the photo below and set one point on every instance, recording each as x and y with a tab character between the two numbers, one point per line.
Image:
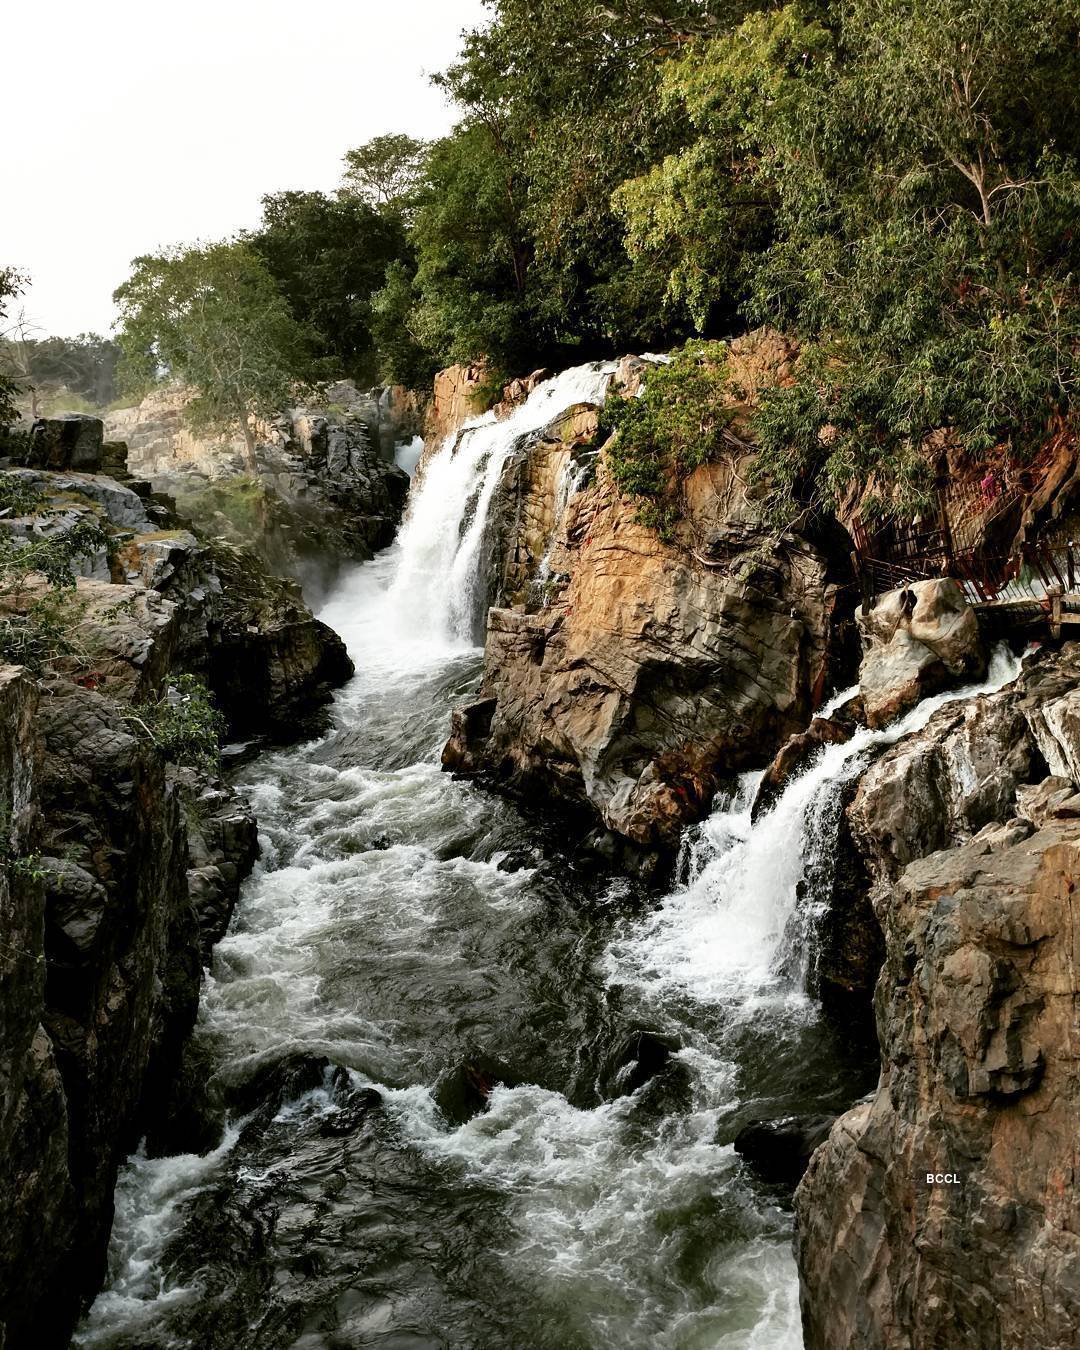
327	489
918	640
121	869
945	1207
459	392
626	674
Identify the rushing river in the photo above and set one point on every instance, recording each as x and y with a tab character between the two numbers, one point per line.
408	940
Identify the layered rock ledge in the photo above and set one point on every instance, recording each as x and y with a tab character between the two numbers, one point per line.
945	1208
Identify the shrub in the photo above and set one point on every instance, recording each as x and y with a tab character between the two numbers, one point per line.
677	424
184	724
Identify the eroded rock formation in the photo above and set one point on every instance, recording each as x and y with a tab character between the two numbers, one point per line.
627	674
973	851
327	491
121	869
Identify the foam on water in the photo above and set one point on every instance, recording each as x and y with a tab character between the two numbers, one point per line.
380	931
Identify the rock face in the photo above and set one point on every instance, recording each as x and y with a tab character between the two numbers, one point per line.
919	639
626	675
120	869
973	851
327	489
458	394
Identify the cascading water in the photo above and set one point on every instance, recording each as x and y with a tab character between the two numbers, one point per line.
438	588
407	937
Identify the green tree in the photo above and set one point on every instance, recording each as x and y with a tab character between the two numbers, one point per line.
385	172
328	256
214	317
12	284
560	105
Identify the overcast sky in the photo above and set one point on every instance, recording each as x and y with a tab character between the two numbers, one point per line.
136	123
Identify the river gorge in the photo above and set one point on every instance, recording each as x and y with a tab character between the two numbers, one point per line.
581	850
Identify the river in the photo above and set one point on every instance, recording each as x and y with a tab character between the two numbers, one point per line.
406	942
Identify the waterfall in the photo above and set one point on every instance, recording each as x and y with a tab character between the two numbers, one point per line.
740	928
439	587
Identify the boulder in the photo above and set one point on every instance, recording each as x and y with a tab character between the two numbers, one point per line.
68	441
779	1151
918	639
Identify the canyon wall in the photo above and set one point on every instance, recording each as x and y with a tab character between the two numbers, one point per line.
121	864
627	675
327	490
945	1208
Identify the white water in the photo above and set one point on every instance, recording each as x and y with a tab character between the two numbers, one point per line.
408	456
378	924
721	936
437	588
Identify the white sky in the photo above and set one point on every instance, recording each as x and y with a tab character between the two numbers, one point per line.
131	124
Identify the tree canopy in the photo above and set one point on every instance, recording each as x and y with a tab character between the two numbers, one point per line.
214	317
893	182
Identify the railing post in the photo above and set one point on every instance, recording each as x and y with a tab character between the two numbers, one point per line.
1054	592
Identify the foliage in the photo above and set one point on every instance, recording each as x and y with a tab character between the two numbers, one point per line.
214	316
385	172
17	496
50	556
46	632
12	283
328	256
184	724
78	372
913	170
674	426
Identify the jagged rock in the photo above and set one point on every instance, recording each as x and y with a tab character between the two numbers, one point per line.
69	441
647	676
458	395
796	750
106	936
971	851
977	1026
327	490
941	785
919	639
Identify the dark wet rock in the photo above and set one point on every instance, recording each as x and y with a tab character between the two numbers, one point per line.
462	1091
798	749
639	1058
779	1151
269	1084
68	441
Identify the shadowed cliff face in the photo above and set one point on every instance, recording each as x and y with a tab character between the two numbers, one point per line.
120	869
974	851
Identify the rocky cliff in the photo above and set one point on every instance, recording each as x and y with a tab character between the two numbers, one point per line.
121	865
327	490
944	1209
626	675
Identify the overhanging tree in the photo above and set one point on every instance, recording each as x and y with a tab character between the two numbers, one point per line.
214	317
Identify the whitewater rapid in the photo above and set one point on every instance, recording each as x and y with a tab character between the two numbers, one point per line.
400	924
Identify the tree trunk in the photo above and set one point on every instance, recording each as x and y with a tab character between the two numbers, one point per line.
251	463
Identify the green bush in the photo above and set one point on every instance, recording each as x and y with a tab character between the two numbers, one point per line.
184	724
677	424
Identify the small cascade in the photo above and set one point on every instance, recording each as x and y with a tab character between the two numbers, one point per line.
572	477
741	926
438	588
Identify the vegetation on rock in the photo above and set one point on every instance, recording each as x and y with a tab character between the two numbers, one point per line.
215	316
676	424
